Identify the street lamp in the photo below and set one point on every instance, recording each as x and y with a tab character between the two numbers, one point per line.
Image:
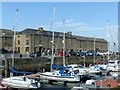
40	46
84	60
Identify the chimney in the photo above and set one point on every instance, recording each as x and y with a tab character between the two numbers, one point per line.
70	33
40	28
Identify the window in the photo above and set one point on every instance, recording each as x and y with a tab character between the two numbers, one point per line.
18	42
5	38
18	49
27	49
80	44
27	42
5	43
27	36
40	41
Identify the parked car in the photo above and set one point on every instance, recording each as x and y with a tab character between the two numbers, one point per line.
73	53
35	54
82	53
3	50
91	53
61	53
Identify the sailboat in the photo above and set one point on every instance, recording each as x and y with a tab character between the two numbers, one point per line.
113	64
96	69
13	71
82	70
19	81
62	73
114	67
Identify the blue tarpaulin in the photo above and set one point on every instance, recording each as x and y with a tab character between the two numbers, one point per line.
98	67
60	67
20	72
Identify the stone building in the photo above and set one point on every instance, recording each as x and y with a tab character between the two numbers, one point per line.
36	40
6	38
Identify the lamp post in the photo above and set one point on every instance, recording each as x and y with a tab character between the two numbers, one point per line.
40	46
84	60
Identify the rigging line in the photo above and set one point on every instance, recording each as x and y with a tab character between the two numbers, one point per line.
47	42
50	33
57	42
63	42
51	27
111	37
14	38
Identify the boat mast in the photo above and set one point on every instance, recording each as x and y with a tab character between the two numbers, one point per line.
14	39
118	40
94	49
108	36
52	58
107	48
63	42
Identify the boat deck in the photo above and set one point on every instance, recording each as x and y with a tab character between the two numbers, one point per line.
2	87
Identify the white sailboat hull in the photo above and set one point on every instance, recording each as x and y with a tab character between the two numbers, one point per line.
81	70
50	76
94	72
16	82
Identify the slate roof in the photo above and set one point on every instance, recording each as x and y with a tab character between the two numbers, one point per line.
28	31
6	33
36	31
89	38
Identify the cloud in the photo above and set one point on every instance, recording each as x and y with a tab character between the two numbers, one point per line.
81	28
76	26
